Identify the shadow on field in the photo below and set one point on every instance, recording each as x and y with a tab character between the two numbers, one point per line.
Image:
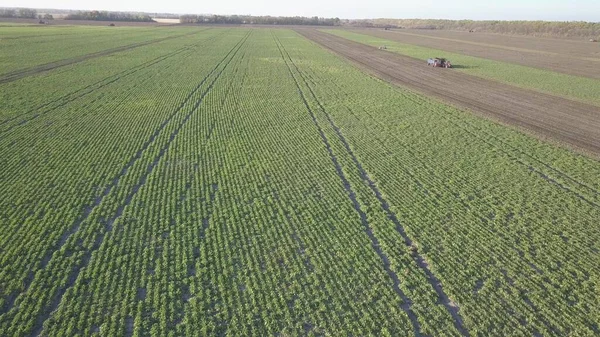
460	66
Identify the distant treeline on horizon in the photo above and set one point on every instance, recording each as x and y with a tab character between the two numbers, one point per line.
20	13
573	29
260	20
531	28
109	16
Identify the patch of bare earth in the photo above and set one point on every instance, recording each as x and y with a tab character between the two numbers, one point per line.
573	123
564	56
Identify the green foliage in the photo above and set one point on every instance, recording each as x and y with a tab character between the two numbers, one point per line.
108	16
259	20
232	183
22	13
24	47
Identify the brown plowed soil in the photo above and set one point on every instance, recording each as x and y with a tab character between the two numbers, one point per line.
578	48
564	56
567	121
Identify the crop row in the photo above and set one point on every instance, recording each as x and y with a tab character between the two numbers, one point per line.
255	184
117	184
20	54
476	203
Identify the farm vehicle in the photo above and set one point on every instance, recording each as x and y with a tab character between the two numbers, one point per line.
439	62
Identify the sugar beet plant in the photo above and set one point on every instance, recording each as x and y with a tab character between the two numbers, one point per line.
247	182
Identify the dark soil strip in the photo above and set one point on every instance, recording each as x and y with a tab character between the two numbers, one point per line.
129	326
562	59
15	75
47	312
406	306
301	245
567	106
196	252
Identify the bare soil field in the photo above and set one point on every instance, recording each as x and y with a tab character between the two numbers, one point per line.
573	123
571	46
565	56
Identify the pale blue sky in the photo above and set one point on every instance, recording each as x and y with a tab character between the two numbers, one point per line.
556	10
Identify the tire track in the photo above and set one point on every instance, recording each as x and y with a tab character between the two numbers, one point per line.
90	208
72	96
526	262
191	269
450	306
72	278
514	157
126	94
18	74
407	303
526	55
544	320
210	202
301	245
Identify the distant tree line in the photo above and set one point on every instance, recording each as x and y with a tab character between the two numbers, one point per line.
260	20
22	13
108	16
531	28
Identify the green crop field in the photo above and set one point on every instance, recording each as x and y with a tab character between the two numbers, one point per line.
247	182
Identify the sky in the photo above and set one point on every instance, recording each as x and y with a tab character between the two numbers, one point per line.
553	10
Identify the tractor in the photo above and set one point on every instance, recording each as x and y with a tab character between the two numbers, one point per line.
439	62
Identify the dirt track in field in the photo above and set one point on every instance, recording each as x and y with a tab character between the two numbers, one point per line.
570	122
18	74
565	56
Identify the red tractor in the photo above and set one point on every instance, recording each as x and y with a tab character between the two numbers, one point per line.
439	62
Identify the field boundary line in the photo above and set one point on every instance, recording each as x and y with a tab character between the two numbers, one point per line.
407	303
